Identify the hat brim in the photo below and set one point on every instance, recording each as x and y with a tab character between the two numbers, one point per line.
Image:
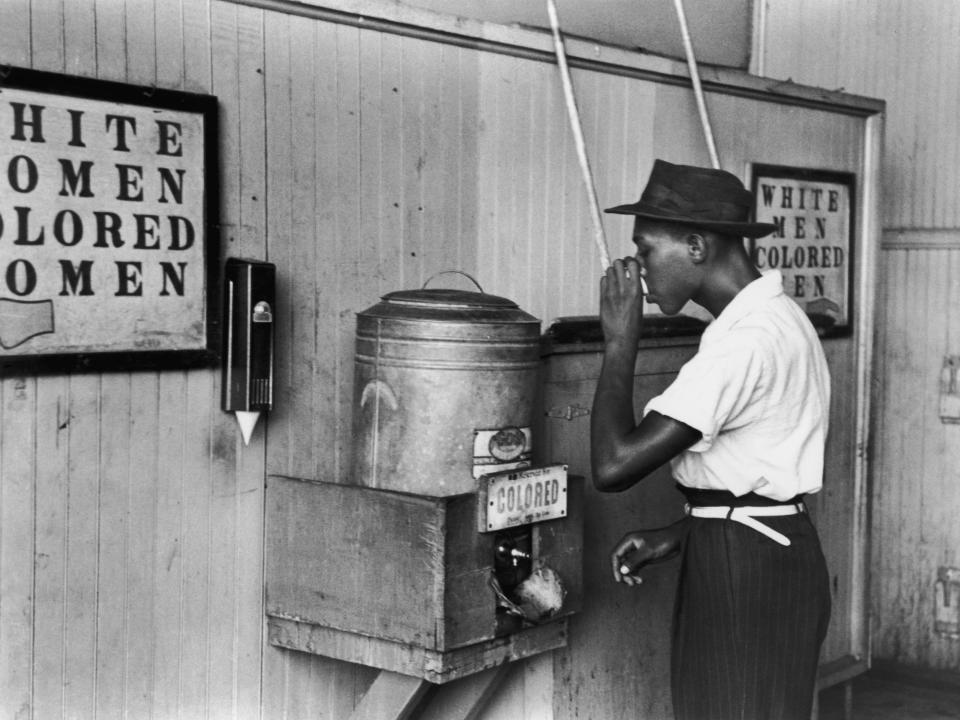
750	230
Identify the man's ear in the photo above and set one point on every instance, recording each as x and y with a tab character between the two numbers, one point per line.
697	247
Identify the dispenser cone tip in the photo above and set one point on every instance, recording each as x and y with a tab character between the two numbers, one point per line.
247	422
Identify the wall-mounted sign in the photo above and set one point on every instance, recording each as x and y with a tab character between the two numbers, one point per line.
813	243
108	211
521	497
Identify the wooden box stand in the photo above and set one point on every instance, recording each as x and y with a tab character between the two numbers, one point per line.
401	582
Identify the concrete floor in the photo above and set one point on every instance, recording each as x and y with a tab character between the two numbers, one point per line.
890	693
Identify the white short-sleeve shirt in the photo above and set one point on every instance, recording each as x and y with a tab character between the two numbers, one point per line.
758	390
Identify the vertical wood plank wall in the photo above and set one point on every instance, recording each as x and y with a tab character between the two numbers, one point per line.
130	542
360	162
905	53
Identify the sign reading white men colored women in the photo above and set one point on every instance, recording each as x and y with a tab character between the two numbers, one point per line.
811	246
103	218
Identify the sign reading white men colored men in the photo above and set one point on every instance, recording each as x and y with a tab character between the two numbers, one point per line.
812	245
107	200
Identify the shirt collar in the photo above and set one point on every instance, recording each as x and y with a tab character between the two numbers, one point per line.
766	287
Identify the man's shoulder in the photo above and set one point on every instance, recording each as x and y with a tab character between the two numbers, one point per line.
777	316
745	343
773	329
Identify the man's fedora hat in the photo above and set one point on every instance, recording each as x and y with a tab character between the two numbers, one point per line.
701	197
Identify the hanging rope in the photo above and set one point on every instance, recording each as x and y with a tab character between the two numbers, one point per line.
695	79
575	125
574	117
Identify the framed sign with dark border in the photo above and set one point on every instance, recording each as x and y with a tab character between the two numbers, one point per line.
813	243
109	255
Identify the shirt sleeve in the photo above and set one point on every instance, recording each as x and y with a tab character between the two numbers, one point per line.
719	389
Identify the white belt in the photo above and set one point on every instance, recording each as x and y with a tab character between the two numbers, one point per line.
747	516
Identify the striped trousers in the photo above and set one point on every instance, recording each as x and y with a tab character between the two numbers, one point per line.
749	621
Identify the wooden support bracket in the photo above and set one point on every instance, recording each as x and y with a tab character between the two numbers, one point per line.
394	696
464	699
391	697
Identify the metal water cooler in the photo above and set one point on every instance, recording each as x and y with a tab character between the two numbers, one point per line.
452	547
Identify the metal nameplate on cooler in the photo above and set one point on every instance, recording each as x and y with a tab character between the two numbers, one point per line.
521	497
500	449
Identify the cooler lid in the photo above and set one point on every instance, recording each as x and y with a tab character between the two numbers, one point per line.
447	298
449	305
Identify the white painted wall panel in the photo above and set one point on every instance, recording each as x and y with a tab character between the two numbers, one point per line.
915	498
907	53
901	51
